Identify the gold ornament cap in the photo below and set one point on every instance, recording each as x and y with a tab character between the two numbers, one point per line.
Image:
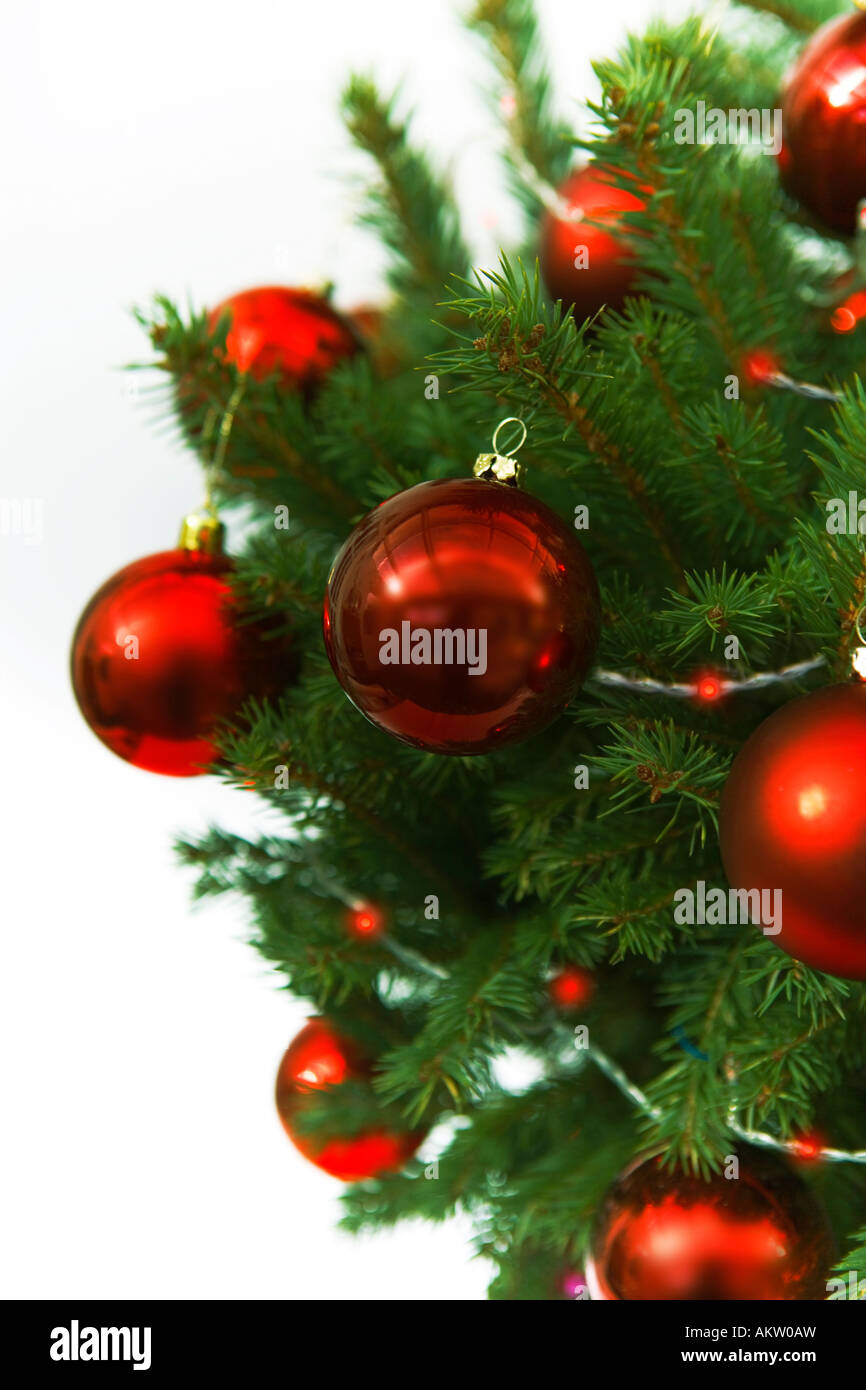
501	468
203	532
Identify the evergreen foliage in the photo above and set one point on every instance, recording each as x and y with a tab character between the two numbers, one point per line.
707	518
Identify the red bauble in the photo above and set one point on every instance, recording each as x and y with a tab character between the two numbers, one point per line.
662	1235
597	204
320	1056
461	615
291	332
822	161
159	658
793	817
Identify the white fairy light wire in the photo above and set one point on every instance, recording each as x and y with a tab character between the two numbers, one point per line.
682	690
757	1137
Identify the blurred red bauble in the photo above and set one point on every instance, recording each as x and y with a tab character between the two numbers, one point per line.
294	333
822	161
662	1235
461	615
793	817
571	988
318	1057
160	657
597	204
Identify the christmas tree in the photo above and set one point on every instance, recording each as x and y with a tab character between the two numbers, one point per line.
553	885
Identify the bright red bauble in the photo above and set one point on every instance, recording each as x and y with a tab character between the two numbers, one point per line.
793	817
597	205
159	657
499	590
320	1056
662	1235
822	161
294	333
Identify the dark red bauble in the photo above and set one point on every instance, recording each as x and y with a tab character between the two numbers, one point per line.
822	161
793	817
320	1056
291	332
159	658
666	1235
461	615
597	204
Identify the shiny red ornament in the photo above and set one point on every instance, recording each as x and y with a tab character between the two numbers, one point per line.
662	1235
320	1056
294	333
596	206
159	658
461	616
793	817
822	161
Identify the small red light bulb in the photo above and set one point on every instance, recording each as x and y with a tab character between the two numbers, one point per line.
808	1146
708	688
571	988
366	920
761	366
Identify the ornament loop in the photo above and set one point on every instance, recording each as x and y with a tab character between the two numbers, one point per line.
509	420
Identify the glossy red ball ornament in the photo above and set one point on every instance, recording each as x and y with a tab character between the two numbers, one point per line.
793	817
160	657
592	232
292	332
320	1056
461	615
822	161
662	1235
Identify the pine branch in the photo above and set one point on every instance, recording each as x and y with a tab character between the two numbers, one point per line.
412	210
537	138
805	19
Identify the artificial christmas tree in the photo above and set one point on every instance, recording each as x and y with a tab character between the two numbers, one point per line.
702	492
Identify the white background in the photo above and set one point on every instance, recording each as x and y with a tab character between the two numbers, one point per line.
193	148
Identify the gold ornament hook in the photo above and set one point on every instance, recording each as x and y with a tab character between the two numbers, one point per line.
501	468
203	530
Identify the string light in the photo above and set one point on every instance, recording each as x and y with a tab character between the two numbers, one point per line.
571	988
849	313
809	1146
708	687
366	920
805	1147
761	367
792	1147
